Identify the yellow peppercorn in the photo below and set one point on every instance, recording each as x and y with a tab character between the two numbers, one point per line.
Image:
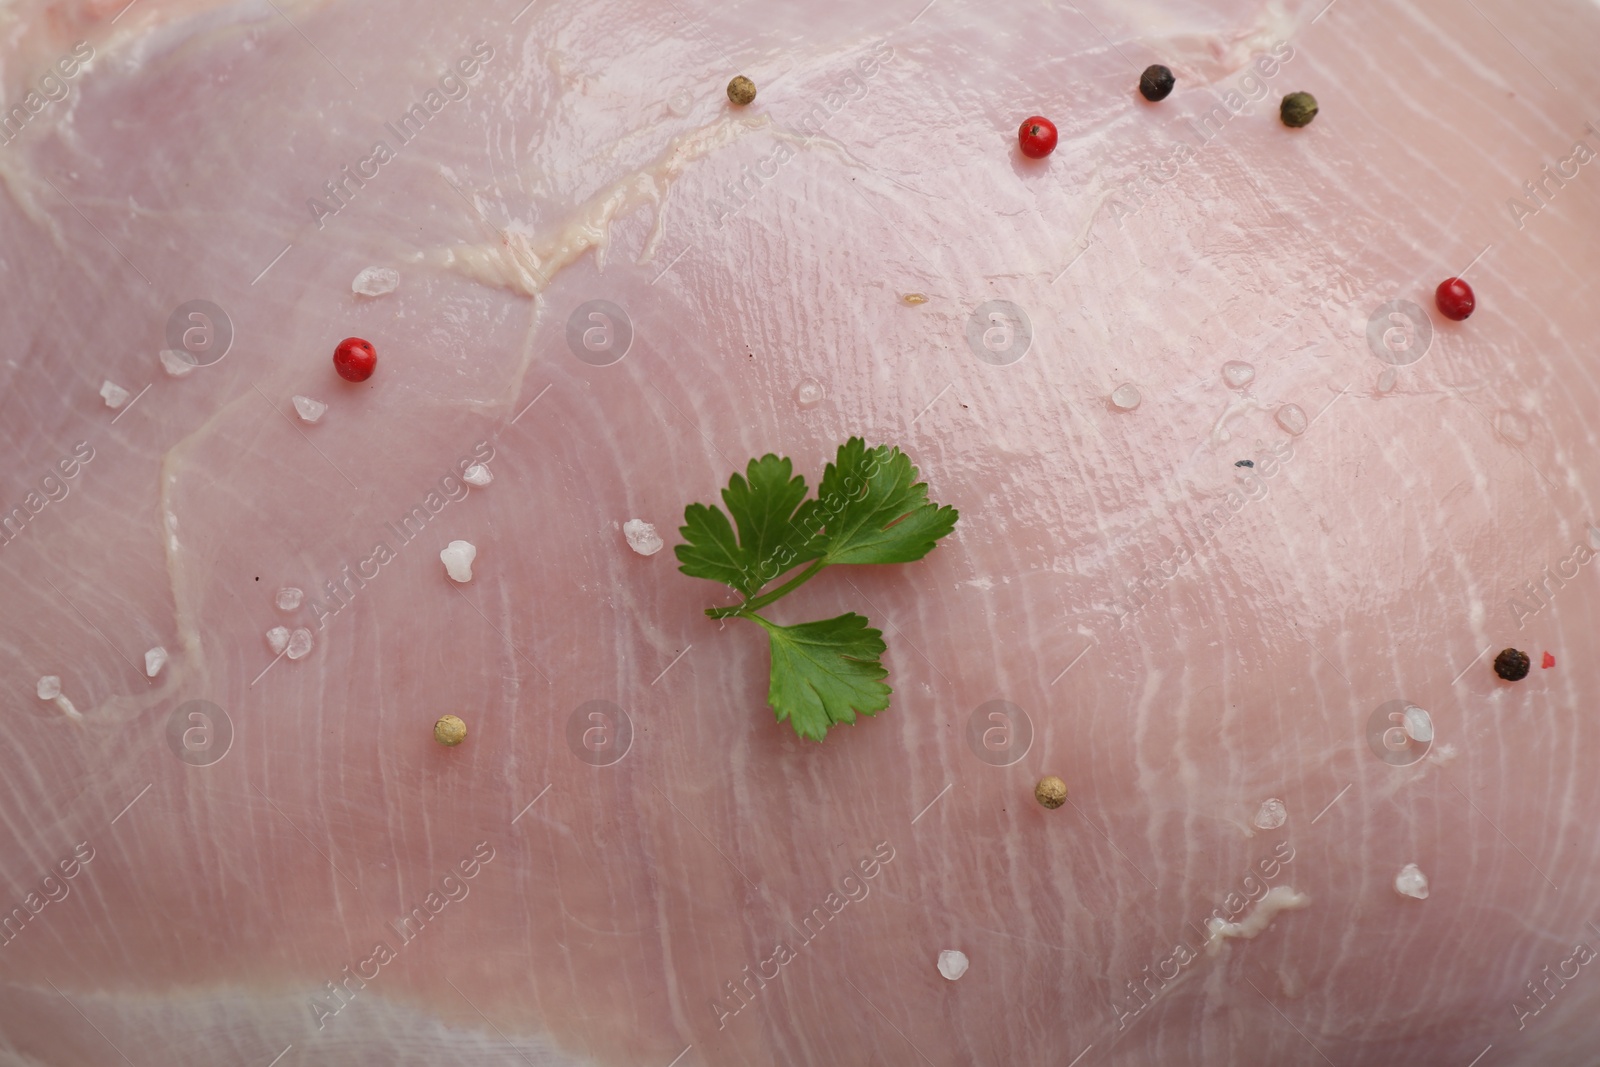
451	731
741	90
1051	792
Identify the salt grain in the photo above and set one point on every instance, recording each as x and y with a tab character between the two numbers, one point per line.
1272	814
477	475
952	964
49	687
289	598
299	644
1125	397
1238	373
457	557
278	639
308	409
808	394
177	362
114	394
642	537
1418	726
1411	882
154	660
1292	419
376	281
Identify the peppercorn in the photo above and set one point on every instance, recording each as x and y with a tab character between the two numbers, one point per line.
1298	109
1036	137
1511	665
1455	299
450	731
741	90
1156	82
1051	792
1245	463
355	359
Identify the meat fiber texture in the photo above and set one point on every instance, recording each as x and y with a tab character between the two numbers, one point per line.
257	859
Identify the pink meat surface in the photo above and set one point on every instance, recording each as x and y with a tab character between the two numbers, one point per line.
1181	639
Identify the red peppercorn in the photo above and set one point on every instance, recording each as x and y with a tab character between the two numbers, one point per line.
1455	299
355	359
1549	661
1037	137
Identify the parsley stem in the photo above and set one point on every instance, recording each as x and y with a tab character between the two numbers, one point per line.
749	607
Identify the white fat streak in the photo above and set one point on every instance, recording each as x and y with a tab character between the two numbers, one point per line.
66	705
1278	898
526	264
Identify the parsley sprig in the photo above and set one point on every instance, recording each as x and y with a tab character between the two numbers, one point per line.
869	508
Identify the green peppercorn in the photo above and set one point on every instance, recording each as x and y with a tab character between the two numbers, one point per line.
1511	665
741	90
1298	109
1156	82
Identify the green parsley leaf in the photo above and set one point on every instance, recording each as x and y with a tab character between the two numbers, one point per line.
763	503
824	672
874	510
870	509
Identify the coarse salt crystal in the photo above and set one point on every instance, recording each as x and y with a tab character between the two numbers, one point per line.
477	475
642	537
278	639
1238	373
114	394
952	964
154	660
1272	815
457	558
49	687
177	362
309	410
1418	727
1411	882
376	281
299	643
289	598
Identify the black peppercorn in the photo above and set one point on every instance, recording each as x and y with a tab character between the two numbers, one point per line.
1298	109
1156	82
1245	463
1511	665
